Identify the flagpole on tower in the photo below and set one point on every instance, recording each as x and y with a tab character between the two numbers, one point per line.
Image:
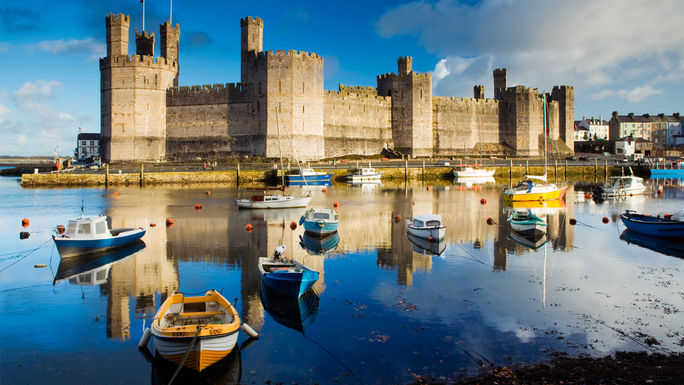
143	3
170	11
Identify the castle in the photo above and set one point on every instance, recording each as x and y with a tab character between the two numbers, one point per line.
280	99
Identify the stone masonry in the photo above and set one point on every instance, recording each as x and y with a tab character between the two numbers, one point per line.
280	106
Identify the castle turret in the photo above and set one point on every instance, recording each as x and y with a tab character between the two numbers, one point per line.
478	92
565	96
133	96
499	83
144	43
251	42
411	109
117	34
169	41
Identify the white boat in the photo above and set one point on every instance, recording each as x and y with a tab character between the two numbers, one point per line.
467	171
364	174
320	222
468	182
86	235
525	223
428	226
268	201
623	186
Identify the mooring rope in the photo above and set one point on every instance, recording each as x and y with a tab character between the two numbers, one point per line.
187	353
20	256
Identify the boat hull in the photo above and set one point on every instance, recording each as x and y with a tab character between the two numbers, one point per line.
553	194
303	180
654	226
436	233
290	283
424	246
320	228
473	173
205	352
279	204
72	247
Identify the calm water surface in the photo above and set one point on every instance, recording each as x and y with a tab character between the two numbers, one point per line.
384	309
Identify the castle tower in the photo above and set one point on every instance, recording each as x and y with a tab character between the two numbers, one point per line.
251	42
565	96
169	41
144	43
133	96
499	82
478	92
117	34
411	109
521	120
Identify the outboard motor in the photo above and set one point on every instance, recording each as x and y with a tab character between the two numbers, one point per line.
278	251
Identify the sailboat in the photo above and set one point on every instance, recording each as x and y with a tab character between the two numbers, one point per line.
273	201
475	170
528	190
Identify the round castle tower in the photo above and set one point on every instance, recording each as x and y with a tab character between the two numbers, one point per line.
133	92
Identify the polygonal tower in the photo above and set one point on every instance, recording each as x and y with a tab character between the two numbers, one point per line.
133	96
565	96
251	43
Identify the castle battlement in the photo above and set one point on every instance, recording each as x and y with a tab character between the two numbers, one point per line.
344	95
221	93
120	17
287	53
139	61
145	34
253	20
447	100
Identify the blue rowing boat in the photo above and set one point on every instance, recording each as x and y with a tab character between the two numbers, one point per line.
86	235
286	275
661	227
308	177
319	222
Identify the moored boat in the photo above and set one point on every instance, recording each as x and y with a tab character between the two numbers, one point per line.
623	186
268	201
86	235
528	190
472	171
307	176
427	226
319	222
661	227
203	328
364	174
286	275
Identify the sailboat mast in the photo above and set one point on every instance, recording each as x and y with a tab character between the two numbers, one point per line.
280	149
479	139
544	114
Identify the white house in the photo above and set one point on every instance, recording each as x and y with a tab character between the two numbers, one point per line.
596	129
87	145
625	146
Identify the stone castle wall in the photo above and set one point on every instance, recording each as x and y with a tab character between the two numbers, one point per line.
356	121
459	124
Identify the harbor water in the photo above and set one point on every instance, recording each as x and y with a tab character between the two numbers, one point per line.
385	307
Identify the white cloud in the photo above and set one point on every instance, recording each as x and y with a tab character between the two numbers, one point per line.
585	43
35	126
89	46
633	95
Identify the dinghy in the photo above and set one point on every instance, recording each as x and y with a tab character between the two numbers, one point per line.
286	275
85	235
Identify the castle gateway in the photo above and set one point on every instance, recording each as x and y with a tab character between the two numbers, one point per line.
146	117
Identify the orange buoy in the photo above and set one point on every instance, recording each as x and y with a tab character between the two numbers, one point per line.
25	222
153	224
667	181
483	201
573	221
397	218
605	220
115	193
660	192
324	190
630	194
249	227
430	238
293	225
169	222
490	221
587	196
414	203
428	188
667	216
60	229
198	206
336	204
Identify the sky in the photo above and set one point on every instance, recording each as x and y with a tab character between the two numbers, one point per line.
620	55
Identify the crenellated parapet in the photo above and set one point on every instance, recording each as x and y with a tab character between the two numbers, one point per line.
209	94
160	63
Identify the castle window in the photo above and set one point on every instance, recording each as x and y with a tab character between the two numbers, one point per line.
302	108
302	87
280	87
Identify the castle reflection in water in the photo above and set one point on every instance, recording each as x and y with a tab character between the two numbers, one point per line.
217	236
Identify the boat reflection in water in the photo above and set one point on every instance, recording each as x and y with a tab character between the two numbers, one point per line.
674	247
226	371
319	245
426	246
294	313
470	181
534	242
93	269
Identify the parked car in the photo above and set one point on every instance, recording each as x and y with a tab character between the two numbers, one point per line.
571	157
584	157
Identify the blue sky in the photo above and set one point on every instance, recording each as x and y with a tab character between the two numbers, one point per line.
619	55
